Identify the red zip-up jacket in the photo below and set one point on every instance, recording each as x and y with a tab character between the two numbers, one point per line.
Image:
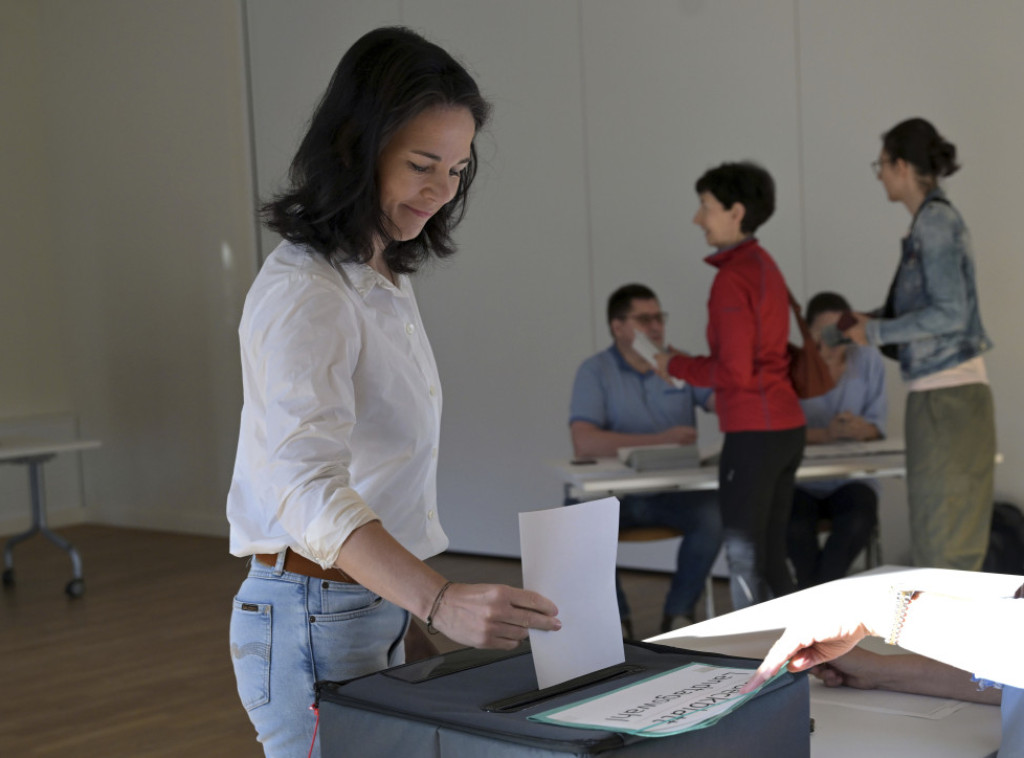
748	330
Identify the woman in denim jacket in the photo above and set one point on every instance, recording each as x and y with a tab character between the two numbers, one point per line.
931	322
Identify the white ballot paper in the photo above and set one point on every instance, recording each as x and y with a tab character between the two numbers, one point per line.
649	352
687	698
647	349
569	557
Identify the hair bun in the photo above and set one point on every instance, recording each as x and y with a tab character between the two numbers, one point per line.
942	155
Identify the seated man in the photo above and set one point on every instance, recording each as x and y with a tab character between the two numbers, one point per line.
618	401
854	409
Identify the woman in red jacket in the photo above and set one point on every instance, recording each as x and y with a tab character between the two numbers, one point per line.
758	410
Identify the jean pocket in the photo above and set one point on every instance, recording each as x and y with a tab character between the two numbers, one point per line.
250	651
340	600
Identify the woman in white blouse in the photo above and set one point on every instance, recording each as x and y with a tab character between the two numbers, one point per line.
334	488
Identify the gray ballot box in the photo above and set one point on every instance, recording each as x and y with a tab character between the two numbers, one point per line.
475	704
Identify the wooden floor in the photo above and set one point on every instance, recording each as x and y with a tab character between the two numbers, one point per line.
139	666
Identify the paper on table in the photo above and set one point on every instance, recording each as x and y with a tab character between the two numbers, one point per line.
569	557
880	701
851	448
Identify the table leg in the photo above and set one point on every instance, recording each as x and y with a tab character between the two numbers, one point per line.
74	588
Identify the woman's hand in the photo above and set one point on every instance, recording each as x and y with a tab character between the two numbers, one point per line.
832	632
857	332
493	615
664	358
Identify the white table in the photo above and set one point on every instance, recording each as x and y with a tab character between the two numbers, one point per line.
602	477
841	730
609	476
34	453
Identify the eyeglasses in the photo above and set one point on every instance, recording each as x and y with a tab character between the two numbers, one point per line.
876	166
646	319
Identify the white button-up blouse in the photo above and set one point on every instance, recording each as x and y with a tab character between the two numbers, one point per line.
341	411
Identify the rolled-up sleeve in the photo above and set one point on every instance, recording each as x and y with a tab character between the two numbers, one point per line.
310	415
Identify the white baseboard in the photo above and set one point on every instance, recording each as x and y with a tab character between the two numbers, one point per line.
54	518
209	525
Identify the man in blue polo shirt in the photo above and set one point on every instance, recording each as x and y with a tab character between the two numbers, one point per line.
618	401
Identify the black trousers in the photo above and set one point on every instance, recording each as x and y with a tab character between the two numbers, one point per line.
853	511
755	493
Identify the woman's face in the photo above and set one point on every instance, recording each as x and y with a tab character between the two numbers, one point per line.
721	225
892	175
420	167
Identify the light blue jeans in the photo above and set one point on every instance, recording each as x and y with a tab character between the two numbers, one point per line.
289	631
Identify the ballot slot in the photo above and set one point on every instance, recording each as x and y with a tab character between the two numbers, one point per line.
533	697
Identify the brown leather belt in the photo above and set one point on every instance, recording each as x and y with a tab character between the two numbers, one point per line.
296	564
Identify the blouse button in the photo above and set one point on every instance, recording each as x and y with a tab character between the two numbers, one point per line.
409	329
430	515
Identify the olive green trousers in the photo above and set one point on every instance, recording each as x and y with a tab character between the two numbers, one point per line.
951	449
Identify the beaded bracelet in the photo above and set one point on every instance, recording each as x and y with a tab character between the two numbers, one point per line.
435	606
903	598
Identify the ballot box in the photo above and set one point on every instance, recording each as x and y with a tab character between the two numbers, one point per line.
471	704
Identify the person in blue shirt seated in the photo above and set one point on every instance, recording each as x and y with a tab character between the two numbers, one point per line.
855	409
618	401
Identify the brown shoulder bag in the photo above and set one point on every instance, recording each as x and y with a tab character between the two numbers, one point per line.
807	369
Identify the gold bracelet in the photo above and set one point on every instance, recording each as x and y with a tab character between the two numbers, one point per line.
435	606
903	598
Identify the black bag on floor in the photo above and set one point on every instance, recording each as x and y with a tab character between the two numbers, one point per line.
1006	543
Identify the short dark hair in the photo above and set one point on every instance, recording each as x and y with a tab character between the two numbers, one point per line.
620	301
919	143
743	182
332	204
825	302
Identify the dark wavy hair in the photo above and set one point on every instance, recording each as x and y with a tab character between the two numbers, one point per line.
332	202
743	182
919	143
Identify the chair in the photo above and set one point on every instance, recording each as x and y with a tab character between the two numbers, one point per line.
651	533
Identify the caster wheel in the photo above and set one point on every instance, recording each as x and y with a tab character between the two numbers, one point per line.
75	588
8	577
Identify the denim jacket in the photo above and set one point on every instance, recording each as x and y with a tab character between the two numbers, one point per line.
934	302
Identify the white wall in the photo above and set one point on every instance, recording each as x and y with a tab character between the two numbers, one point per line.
134	190
135	129
32	379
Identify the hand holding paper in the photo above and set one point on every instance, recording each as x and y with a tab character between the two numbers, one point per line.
650	352
569	556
